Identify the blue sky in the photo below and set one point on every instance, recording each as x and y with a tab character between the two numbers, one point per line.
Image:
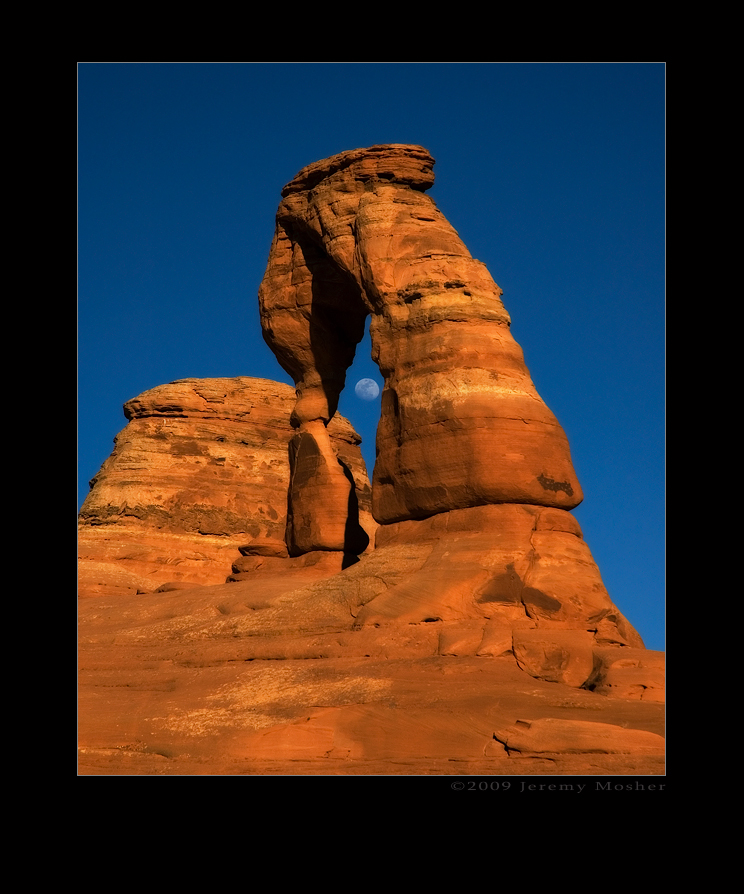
552	173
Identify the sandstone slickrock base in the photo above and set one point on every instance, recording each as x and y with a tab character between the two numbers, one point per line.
387	667
259	679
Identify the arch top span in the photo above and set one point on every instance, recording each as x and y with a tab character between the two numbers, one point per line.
409	165
462	424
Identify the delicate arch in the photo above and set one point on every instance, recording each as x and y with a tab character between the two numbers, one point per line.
462	424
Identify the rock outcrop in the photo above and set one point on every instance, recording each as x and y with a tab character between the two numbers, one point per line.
198	476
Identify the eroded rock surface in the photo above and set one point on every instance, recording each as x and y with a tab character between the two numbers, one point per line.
272	676
201	469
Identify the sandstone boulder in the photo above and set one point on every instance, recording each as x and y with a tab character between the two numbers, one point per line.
559	736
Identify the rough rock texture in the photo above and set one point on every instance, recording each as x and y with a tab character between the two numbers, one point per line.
201	469
476	638
274	677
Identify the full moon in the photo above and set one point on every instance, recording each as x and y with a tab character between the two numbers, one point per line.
366	389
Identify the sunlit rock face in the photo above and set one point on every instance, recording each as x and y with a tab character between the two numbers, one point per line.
201	470
462	424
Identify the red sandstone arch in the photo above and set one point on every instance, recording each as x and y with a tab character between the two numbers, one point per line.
462	424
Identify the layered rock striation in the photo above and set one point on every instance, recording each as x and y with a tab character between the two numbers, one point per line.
201	471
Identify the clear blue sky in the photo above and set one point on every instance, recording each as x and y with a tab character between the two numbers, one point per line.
552	173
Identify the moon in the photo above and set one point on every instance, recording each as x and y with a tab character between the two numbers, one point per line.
366	389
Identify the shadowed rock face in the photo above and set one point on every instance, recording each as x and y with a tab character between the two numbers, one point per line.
462	424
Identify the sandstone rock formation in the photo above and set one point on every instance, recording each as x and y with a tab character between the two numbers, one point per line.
462	424
200	472
476	637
